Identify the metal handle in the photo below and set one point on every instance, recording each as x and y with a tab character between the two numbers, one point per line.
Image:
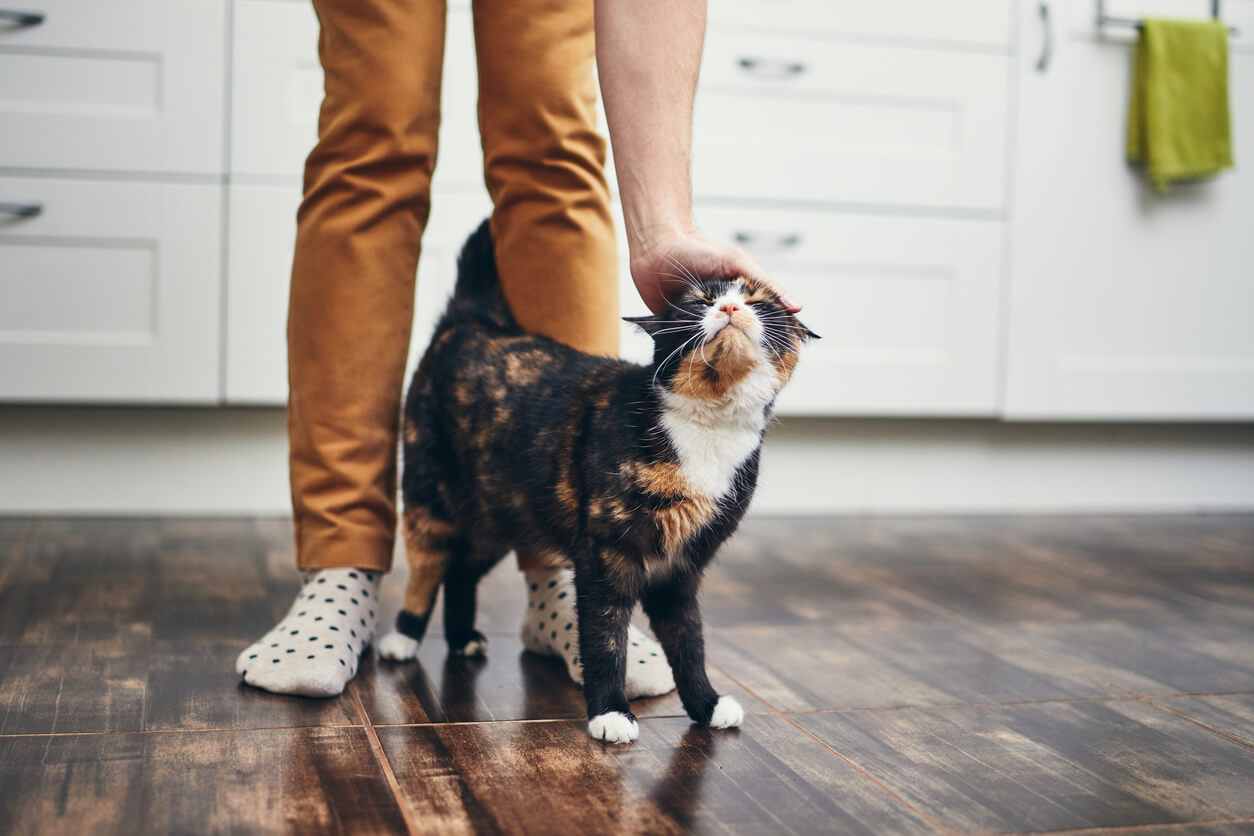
1047	45
772	67
20	19
22	210
783	241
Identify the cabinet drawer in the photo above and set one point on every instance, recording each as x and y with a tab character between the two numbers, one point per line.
262	233
276	91
128	85
111	294
789	118
906	307
985	22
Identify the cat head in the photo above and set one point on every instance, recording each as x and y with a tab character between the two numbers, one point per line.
718	334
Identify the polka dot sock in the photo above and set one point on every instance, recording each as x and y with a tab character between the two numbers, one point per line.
549	627
314	650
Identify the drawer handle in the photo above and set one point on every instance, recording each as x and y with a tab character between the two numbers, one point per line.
782	241
772	67
22	210
21	19
1047	42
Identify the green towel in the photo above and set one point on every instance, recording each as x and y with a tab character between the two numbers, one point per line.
1178	116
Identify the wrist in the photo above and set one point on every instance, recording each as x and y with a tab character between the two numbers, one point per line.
647	243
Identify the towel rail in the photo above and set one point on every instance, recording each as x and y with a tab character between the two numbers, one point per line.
1104	19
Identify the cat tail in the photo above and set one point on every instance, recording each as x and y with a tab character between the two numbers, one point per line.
478	292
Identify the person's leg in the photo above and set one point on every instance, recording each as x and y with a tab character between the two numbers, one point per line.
544	164
367	196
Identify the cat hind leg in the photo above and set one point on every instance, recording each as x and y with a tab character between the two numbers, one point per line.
428	543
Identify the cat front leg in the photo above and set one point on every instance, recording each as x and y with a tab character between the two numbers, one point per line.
604	614
676	621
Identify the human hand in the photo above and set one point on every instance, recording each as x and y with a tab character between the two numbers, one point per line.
662	269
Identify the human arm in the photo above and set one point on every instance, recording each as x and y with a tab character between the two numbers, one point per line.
649	56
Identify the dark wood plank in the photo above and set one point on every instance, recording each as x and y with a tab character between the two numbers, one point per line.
12	530
551	778
262	781
1232	714
818	666
1231	828
1096	598
1047	766
142	686
104	580
511	684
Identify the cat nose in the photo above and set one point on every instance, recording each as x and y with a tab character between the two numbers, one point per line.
729	308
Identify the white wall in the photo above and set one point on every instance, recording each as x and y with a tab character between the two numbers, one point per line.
233	460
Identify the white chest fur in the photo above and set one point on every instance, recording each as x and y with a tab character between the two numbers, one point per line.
713	439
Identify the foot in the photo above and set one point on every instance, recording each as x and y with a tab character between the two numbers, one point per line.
314	650
614	727
727	714
550	628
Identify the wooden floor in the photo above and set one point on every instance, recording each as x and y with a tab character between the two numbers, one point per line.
899	676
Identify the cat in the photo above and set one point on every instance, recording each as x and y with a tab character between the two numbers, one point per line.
636	473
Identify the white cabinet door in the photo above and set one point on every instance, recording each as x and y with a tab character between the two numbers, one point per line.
276	91
800	119
976	22
127	85
907	308
111	294
1124	304
262	233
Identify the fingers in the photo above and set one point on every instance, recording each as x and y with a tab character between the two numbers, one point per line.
744	265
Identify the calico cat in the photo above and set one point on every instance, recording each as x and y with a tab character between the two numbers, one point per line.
635	473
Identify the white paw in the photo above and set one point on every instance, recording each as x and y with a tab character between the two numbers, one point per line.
397	647
474	647
613	727
727	714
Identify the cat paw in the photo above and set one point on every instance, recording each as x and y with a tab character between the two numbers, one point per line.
727	714
614	727
397	647
476	644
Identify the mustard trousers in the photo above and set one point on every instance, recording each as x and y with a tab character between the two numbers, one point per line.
367	194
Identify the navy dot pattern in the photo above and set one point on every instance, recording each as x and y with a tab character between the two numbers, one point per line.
341	604
550	628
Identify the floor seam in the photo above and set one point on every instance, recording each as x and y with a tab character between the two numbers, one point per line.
376	748
859	769
179	731
1209	728
1125	828
935	706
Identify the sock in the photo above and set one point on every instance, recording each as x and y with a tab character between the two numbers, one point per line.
314	650
551	628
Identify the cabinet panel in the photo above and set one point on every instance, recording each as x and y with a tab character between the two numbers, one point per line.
907	307
984	22
262	233
111	294
276	91
1124	304
130	85
791	118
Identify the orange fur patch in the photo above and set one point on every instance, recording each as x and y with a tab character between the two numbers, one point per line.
424	536
525	367
708	372
409	432
690	511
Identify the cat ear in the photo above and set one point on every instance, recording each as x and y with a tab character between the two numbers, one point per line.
649	324
806	333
